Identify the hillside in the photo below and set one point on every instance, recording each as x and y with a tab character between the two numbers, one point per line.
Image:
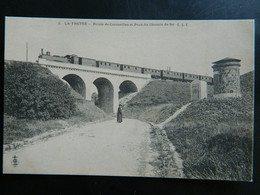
214	137
33	92
247	85
157	100
162	92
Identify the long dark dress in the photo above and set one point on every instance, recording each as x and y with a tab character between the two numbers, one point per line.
119	115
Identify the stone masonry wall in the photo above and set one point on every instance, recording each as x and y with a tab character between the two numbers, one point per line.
227	80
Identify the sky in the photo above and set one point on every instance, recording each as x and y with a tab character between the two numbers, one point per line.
185	46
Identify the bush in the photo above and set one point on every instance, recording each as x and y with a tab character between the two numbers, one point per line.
33	92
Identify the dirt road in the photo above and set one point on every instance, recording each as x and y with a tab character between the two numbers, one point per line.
105	148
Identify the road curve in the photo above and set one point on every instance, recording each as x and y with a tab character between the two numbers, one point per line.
105	148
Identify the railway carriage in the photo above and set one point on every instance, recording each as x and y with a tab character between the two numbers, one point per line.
176	76
156	73
130	68
108	65
206	78
190	77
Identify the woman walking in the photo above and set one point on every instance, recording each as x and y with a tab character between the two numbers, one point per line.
119	114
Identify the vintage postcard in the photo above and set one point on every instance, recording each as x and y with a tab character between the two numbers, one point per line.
139	98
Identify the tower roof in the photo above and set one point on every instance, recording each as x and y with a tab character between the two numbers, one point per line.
227	59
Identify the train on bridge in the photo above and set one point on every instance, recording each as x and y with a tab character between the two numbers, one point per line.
155	73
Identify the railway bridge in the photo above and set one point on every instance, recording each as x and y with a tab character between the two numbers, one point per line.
88	80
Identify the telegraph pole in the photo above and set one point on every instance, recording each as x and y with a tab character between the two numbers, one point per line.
27	52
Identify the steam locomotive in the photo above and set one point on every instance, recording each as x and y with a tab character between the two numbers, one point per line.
157	74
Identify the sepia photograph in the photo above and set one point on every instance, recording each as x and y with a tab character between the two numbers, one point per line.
134	98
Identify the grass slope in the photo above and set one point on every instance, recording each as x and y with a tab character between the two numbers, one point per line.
158	100
20	129
214	137
33	92
162	92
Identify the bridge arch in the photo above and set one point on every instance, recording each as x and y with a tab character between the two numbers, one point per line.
127	87
76	83
105	94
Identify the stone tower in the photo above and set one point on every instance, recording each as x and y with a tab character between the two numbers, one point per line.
226	78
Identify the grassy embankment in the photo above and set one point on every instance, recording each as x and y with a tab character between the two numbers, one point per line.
214	137
157	101
20	129
32	115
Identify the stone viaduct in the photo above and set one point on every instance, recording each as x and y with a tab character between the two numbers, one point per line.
108	84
